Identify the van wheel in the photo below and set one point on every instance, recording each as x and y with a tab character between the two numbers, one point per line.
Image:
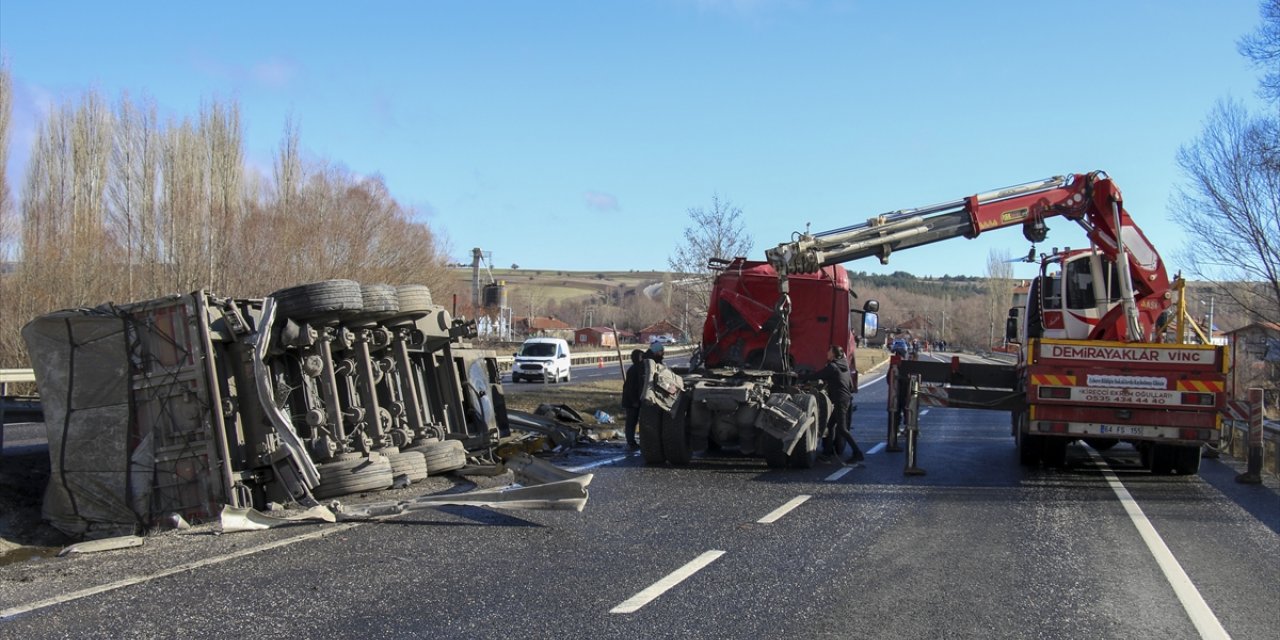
567	375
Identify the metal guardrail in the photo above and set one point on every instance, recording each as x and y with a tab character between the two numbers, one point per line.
7	376
608	356
16	375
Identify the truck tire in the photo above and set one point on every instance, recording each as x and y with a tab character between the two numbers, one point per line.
316	299
805	455
379	298
406	463
414	298
1029	447
442	456
826	440
1053	451
353	473
1187	460
1164	457
651	448
676	444
775	456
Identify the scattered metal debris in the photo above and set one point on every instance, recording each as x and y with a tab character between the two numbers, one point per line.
105	544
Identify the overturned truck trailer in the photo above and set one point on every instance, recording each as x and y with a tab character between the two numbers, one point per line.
186	403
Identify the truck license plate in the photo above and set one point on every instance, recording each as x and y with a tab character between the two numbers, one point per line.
1120	430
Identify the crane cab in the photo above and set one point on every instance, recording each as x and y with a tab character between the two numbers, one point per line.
1073	293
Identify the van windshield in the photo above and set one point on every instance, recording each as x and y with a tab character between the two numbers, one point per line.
539	350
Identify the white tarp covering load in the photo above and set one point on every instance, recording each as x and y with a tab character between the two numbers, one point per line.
124	405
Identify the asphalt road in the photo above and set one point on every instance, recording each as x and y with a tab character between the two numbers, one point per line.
978	547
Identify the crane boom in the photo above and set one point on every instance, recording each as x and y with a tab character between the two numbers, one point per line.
1091	200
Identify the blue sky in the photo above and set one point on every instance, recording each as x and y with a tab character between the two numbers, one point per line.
576	135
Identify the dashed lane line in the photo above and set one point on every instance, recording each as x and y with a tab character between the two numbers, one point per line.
876	449
840	473
651	593
1192	602
598	463
784	509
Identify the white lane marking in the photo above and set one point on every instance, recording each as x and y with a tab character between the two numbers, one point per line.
784	509
597	463
189	566
924	412
672	579
870	382
876	449
839	474
1197	609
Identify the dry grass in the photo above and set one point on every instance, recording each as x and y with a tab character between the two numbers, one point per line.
585	398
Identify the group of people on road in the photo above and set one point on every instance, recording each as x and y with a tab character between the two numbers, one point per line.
838	385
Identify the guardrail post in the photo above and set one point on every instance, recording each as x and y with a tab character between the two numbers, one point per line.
1253	473
913	427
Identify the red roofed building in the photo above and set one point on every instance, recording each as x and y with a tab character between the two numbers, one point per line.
543	327
595	337
660	329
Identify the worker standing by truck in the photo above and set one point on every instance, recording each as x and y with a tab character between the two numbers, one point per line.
632	387
839	389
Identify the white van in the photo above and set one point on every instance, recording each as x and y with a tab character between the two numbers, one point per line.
545	359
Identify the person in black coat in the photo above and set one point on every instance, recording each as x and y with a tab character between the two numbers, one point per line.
839	388
632	389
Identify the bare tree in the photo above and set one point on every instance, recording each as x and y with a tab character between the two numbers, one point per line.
116	205
1230	208
1263	48
7	223
717	232
221	132
135	168
288	169
185	207
999	292
9	324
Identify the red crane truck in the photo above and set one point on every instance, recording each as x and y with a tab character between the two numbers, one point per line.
1094	364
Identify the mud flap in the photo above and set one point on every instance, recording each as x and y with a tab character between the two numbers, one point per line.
663	389
785	419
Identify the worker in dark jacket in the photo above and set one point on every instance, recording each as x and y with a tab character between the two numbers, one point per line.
839	389
632	389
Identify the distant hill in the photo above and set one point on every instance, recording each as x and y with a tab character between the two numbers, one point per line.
546	285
